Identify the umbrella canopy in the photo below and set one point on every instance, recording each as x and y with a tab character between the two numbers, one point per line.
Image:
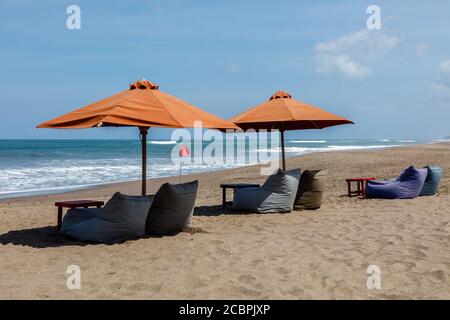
282	112
143	105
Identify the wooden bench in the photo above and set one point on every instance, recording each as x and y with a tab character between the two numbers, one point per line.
75	204
233	186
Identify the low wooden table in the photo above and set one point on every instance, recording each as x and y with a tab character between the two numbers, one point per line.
233	186
75	204
360	186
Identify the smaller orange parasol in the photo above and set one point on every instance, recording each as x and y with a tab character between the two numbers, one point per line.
282	112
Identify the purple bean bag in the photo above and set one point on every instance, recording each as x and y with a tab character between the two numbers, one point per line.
407	186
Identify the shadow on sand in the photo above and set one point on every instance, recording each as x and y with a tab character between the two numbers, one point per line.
50	237
41	237
217	210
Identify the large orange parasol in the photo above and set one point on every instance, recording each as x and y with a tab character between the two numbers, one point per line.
282	112
143	106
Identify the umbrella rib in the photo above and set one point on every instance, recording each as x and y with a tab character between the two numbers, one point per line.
289	110
169	111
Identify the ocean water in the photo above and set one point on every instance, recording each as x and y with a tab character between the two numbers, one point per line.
29	167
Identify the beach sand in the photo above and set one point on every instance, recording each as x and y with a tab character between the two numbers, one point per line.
319	254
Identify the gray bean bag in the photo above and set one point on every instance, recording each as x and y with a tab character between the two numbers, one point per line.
432	181
310	190
121	218
171	209
277	194
407	186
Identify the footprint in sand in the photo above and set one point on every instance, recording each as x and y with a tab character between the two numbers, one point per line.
115	286
248	279
283	271
437	274
297	292
422	247
258	228
417	253
246	292
138	287
224	252
256	262
400	266
91	288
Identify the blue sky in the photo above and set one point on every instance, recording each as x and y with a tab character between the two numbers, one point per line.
226	56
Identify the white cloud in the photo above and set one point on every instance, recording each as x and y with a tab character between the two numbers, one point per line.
353	54
442	83
234	68
343	64
443	77
422	49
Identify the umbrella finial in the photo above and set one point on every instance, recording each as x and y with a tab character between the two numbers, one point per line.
144	84
280	95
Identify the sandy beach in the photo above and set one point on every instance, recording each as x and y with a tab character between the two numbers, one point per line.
319	254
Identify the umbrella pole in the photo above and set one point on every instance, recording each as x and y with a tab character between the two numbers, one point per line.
143	134
283	159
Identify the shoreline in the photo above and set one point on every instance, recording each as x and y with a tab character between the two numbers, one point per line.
24	195
134	185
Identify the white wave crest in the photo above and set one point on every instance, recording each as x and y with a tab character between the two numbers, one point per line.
308	141
162	142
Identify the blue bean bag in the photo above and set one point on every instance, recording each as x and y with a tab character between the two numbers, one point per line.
407	186
432	181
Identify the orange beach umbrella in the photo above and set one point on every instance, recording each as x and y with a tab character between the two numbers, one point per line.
282	112
143	105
